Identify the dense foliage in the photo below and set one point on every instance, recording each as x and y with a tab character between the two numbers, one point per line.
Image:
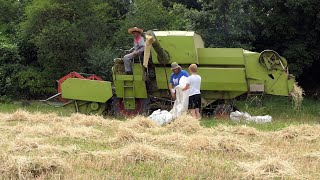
42	40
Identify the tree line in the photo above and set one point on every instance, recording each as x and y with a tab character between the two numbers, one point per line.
42	40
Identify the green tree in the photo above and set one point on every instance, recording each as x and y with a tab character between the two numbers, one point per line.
99	60
56	35
9	66
190	4
148	15
222	23
292	28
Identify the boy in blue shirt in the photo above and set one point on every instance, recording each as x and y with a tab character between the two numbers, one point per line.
175	77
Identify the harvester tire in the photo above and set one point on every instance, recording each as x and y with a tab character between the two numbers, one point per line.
119	110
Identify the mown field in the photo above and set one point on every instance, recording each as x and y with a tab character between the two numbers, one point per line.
37	141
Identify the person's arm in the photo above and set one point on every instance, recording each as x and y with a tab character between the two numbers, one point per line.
186	87
171	85
171	88
172	91
187	84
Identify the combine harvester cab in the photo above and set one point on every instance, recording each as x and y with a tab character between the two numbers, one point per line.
226	72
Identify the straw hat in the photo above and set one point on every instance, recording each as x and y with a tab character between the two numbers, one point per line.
175	65
134	29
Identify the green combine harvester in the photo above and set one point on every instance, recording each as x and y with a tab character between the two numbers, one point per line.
226	74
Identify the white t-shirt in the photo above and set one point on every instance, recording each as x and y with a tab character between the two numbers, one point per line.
194	80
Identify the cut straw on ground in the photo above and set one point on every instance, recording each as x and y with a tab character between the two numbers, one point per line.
47	146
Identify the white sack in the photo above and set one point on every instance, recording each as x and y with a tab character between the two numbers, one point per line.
244	116
180	106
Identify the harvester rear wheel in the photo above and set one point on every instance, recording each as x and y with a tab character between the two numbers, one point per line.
119	110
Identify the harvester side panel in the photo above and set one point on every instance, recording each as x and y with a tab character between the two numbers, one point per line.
280	85
86	90
254	70
221	56
223	79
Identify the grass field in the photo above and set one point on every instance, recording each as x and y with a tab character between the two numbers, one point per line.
38	141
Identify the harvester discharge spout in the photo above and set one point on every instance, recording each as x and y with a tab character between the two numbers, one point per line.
163	55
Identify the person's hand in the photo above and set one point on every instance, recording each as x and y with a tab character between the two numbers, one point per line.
173	95
135	52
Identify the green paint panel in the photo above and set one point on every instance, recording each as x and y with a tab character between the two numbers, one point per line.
220	56
254	70
86	90
140	90
119	88
181	46
223	79
278	85
163	77
129	89
124	77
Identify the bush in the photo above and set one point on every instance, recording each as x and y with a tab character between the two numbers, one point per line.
9	66
101	61
32	83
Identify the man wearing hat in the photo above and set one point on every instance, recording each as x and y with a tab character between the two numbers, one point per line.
175	77
136	50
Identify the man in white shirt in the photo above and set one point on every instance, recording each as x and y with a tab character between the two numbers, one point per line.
193	87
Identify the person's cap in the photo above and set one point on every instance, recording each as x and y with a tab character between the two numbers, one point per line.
135	29
175	65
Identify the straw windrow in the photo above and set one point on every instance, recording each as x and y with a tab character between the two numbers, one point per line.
47	146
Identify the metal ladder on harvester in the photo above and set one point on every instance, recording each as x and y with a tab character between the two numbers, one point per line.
129	98
129	94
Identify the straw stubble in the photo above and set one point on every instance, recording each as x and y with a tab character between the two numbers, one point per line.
88	147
